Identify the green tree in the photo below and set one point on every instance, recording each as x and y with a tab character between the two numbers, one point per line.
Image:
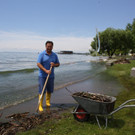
109	40
130	28
116	41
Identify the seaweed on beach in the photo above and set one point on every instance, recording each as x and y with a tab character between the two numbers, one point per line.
122	61
93	96
26	121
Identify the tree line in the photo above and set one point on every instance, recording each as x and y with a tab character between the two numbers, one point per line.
116	41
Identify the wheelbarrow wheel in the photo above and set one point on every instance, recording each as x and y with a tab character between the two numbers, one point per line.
81	117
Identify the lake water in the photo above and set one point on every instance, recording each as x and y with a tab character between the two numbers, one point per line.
19	74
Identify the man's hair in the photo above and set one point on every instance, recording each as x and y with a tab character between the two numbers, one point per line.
49	42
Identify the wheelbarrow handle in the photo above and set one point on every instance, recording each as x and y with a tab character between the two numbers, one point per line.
69	90
123	106
131	100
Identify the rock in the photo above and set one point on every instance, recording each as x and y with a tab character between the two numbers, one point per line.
109	64
132	73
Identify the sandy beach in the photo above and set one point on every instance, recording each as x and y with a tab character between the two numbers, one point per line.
61	98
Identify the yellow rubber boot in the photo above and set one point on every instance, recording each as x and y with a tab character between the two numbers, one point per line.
48	98
41	103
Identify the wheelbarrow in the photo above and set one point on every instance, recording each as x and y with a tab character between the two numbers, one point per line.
87	107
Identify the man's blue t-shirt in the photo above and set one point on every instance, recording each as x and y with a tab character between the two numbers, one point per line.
45	60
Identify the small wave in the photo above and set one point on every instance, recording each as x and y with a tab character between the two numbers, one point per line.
18	102
75	62
17	61
87	61
27	70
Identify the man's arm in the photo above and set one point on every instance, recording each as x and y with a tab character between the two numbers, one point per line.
44	69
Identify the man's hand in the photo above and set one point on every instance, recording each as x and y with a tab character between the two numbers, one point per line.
48	72
42	68
52	64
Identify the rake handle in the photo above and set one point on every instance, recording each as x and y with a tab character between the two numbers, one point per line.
43	89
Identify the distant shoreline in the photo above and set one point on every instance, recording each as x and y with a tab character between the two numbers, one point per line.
71	52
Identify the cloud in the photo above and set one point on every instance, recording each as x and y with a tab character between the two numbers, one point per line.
28	41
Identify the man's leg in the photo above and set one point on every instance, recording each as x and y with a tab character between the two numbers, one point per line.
50	88
41	84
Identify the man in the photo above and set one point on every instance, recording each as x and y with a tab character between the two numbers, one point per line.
46	59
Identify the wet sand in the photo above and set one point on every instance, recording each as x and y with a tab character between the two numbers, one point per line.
61	98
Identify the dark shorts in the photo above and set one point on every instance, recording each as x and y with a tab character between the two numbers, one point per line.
49	86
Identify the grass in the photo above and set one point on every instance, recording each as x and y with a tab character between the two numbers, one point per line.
124	120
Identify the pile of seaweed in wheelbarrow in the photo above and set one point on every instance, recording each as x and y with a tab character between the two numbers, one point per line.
93	96
26	121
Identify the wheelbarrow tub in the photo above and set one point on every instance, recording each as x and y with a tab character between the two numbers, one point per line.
95	107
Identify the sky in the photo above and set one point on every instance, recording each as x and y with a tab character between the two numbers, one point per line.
25	25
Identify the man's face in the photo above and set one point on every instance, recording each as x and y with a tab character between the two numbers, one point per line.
49	47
